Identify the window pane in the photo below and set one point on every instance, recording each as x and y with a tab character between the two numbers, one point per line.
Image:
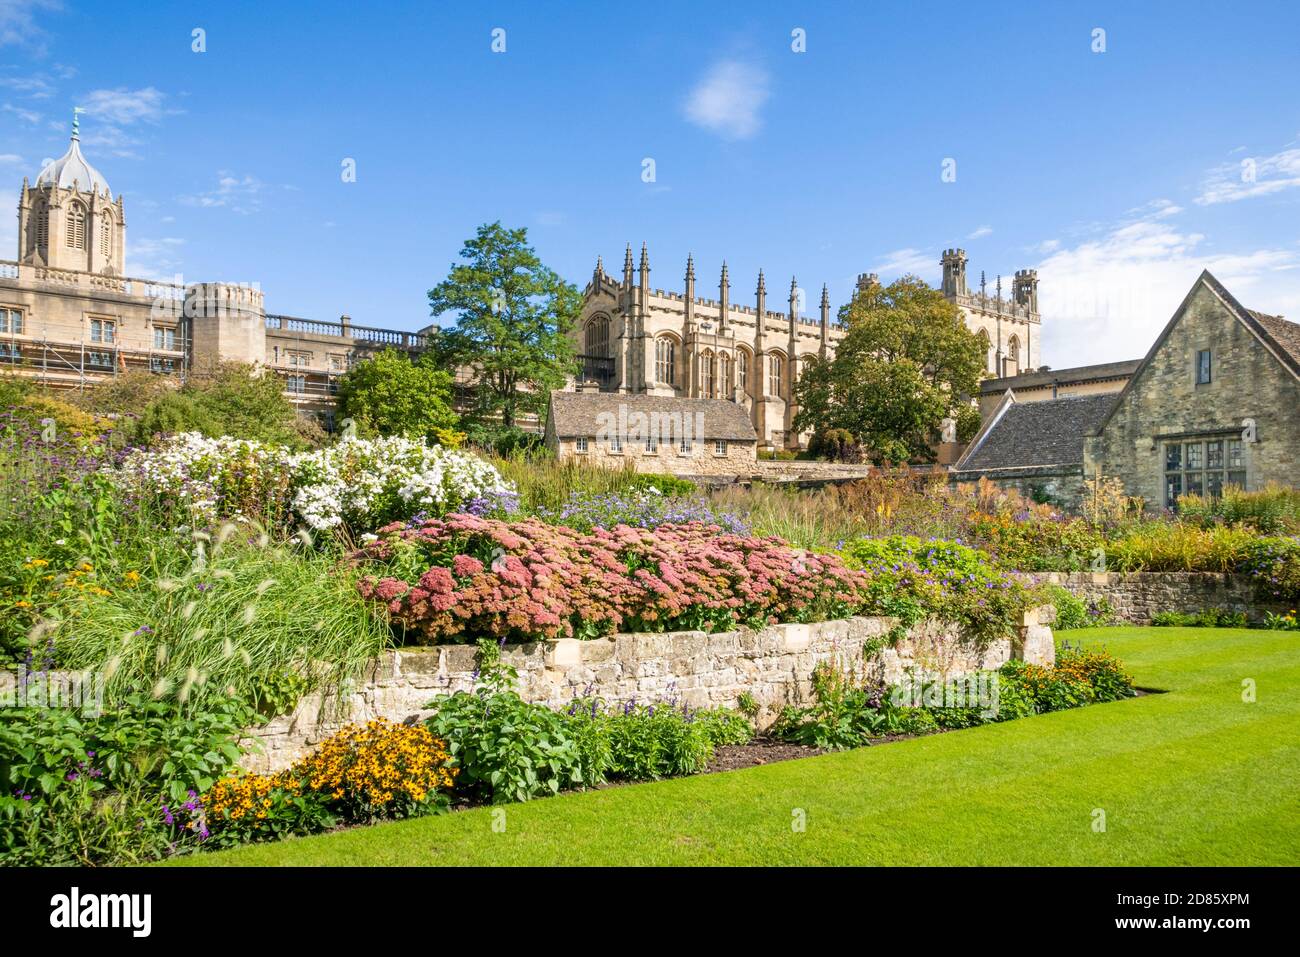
1173	457
1214	454
1236	453
1195	483
1238	479
1195	455
1214	483
1173	489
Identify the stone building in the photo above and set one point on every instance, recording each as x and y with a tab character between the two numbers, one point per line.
1034	447
637	340
1215	402
1010	327
652	433
70	318
1106	378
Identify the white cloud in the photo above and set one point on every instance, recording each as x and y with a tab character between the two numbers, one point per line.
907	260
240	194
1108	297
123	107
27	116
18	21
30	85
154	258
11	158
980	233
1252	176
727	100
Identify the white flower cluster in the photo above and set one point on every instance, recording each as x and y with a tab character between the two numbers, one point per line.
362	482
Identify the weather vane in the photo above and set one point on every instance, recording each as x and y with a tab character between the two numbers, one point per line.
76	121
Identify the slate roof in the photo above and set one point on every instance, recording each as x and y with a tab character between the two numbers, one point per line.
1034	380
1284	334
1030	434
576	414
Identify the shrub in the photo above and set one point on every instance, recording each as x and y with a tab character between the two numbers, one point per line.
913	580
1049	689
364	773
118	787
1270	510
1274	563
1209	618
1176	547
648	742
847	712
1286	622
1026	542
1103	672
663	484
505	748
529	580
1073	612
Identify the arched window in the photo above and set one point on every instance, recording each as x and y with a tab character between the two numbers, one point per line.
775	374
666	361
76	232
41	237
105	235
742	371
724	376
598	336
1013	356
707	375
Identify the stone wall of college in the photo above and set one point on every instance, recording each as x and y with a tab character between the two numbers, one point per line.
1137	596
774	665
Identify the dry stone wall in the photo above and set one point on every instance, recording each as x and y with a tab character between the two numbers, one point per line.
773	665
1136	596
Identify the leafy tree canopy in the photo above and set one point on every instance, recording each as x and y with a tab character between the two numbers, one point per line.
391	394
906	362
513	318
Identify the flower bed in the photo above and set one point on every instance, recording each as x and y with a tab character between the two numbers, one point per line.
466	577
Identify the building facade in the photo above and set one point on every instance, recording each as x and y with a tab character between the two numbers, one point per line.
652	433
1106	378
71	318
1010	327
1216	402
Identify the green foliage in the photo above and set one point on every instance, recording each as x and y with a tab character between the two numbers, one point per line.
513	317
126	394
1209	618
848	712
913	580
229	398
1175	547
391	394
1073	612
905	361
263	621
835	445
1274	563
1102	671
663	484
546	484
505	748
111	788
1271	510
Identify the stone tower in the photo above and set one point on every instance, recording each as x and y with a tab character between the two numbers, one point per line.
69	220
954	272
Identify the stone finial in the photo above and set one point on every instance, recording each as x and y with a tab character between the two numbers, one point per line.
826	298
627	265
724	282
690	267
762	284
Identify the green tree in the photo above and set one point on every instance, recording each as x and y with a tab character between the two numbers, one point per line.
906	362
513	319
391	394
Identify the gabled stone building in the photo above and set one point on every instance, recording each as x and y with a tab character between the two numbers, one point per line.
654	433
1215	402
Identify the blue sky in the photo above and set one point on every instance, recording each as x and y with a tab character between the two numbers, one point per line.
1118	174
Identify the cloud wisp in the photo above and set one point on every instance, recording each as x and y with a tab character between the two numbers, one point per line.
728	100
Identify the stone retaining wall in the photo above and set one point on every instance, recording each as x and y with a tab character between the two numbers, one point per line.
1136	596
773	665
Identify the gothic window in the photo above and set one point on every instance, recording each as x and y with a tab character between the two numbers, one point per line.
1013	356
666	361
598	336
742	371
775	375
76	232
42	226
707	381
724	376
105	235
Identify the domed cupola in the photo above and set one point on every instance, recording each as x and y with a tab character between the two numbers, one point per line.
68	219
72	168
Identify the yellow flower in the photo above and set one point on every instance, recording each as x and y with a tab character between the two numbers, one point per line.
22	604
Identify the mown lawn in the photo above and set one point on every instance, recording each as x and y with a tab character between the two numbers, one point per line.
1194	776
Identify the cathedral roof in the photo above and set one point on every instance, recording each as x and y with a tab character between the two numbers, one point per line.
1036	434
577	414
72	168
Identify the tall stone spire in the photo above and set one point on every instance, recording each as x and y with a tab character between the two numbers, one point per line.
724	298
760	321
627	266
826	320
690	292
645	267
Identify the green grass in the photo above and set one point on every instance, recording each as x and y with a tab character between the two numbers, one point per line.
1194	776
